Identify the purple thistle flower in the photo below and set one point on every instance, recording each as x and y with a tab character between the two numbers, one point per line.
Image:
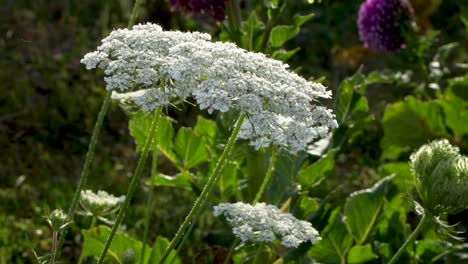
214	8
379	26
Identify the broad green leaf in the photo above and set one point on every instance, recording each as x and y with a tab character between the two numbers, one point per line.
456	113
361	254
206	128
308	205
190	148
315	173
280	34
166	137
179	180
335	243
347	98
139	124
159	247
95	238
411	123
403	177
228	180
459	87
363	207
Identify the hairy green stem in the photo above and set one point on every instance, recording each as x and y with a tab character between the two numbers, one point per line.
424	220
204	194
133	182
85	172
149	205
260	192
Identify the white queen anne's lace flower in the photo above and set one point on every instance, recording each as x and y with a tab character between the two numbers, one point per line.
265	223
100	203
280	106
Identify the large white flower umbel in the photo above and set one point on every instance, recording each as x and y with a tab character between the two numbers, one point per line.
281	108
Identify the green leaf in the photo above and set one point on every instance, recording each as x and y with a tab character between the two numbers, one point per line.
206	128
456	113
315	173
300	20
190	148
427	249
361	254
284	55
363	207
95	238
308	205
159	247
252	31
139	124
282	33
411	123
335	242
228	180
166	137
179	180
403	177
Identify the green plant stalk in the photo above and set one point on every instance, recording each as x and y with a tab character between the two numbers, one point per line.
54	246
91	148
269	26
133	182
260	192
234	20
424	220
87	165
149	205
204	194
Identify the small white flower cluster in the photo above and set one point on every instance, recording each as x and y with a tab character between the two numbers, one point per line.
100	203
265	223
279	105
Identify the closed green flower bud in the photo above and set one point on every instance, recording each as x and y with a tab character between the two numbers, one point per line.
57	220
441	176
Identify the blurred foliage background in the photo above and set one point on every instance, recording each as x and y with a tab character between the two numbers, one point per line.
49	102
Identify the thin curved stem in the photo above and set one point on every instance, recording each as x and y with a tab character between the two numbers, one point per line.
149	205
258	196
133	182
424	220
209	184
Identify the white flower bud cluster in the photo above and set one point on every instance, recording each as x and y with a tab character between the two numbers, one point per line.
265	223
100	203
280	106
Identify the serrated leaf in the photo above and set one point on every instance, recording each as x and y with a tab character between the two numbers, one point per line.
361	254
335	243
411	123
363	207
190	148
315	173
282	33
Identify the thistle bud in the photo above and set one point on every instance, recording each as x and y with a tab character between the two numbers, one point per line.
441	176
57	220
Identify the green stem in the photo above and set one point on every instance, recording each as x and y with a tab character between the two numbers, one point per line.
149	205
133	182
85	173
424	220
209	184
260	192
275	14
234	20
267	178
54	246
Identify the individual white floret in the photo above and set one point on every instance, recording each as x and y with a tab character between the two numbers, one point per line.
265	223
